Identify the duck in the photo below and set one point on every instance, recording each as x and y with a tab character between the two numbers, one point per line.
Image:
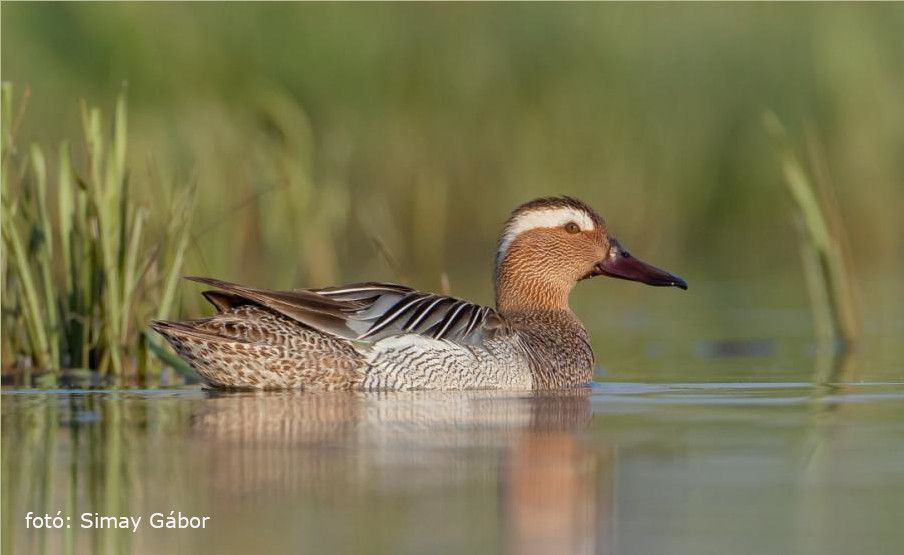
384	336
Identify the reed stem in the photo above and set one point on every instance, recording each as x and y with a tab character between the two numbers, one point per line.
823	244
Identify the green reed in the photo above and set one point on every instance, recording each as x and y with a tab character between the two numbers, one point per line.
83	266
824	244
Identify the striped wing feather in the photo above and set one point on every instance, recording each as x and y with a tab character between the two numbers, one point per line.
367	311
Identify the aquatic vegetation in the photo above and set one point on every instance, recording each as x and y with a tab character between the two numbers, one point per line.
84	263
824	244
335	150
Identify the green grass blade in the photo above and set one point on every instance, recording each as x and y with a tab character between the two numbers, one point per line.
825	251
171	280
44	256
130	269
31	310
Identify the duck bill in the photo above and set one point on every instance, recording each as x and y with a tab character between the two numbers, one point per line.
620	264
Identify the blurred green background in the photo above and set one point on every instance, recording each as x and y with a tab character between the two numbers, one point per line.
337	143
342	142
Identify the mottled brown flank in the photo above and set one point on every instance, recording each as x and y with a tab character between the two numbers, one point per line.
389	337
251	348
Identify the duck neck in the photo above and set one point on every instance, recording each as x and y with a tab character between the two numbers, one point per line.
525	290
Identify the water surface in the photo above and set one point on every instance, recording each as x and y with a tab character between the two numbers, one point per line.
616	468
717	425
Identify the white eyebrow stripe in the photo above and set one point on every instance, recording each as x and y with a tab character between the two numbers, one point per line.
541	218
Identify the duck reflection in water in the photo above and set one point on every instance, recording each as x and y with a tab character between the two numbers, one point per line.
525	447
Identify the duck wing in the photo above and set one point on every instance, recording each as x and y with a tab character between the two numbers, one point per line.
367	312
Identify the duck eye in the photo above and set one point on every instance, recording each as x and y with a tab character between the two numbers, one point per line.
572	227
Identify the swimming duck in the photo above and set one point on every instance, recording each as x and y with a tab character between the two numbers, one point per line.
383	336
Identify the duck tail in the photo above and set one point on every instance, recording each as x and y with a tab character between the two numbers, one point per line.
227	356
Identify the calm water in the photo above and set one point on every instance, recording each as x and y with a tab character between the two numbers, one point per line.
619	468
717	426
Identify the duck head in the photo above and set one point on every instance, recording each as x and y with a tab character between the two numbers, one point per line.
549	244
